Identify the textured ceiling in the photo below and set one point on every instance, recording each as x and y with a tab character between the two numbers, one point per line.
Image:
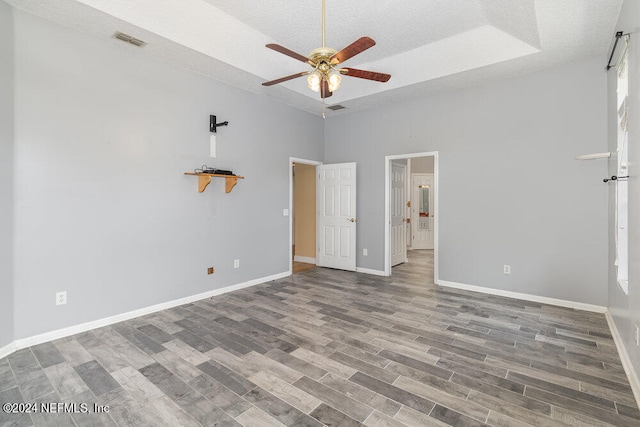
426	45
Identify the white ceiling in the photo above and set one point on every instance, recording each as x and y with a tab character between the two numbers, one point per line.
426	45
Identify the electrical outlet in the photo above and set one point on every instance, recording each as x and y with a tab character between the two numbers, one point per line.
507	269
61	298
365	252
637	335
236	263
210	270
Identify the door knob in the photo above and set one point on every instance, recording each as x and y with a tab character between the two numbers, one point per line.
351	219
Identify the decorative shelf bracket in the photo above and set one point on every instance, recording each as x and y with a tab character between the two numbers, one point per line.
205	178
229	183
203	181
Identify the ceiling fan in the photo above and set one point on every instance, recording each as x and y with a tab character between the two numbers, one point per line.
325	77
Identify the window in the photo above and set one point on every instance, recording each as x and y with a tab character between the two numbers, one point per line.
622	186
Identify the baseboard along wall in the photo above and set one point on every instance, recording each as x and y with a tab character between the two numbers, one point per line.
527	297
370	271
7	349
632	375
72	330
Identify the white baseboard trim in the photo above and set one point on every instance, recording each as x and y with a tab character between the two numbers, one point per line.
305	259
7	349
72	330
527	297
370	271
632	376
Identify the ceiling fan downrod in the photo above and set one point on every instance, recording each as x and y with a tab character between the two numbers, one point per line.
323	42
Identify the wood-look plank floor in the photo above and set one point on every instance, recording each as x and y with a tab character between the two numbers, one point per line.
336	348
299	267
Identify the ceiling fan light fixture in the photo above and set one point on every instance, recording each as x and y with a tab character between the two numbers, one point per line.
314	80
334	81
325	78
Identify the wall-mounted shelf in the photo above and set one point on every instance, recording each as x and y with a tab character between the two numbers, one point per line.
205	178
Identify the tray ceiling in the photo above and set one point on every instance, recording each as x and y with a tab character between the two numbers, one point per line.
426	45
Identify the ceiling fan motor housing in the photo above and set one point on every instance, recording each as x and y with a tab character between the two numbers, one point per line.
320	55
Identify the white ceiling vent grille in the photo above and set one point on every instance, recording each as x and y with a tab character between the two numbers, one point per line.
129	39
336	107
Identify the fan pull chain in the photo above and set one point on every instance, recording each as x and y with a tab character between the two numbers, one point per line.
323	104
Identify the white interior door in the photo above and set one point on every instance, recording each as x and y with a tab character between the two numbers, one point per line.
422	210
336	204
407	212
398	209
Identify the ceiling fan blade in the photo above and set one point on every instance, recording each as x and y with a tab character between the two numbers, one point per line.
358	46
287	52
324	90
363	74
284	79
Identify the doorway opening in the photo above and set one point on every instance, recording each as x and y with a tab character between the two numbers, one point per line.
302	220
334	189
411	210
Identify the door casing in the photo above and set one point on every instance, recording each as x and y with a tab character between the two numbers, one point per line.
307	162
387	215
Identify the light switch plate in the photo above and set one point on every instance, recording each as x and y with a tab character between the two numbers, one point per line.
285	212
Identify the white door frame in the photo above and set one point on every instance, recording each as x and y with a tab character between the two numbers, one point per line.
387	213
291	161
408	193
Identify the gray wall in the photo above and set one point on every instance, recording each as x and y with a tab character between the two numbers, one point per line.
6	174
626	309
103	135
510	189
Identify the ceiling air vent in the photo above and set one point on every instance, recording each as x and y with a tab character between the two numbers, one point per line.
336	107
127	38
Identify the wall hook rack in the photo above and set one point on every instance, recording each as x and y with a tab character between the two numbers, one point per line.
213	125
614	178
618	36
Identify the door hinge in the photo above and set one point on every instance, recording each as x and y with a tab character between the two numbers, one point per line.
409	204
